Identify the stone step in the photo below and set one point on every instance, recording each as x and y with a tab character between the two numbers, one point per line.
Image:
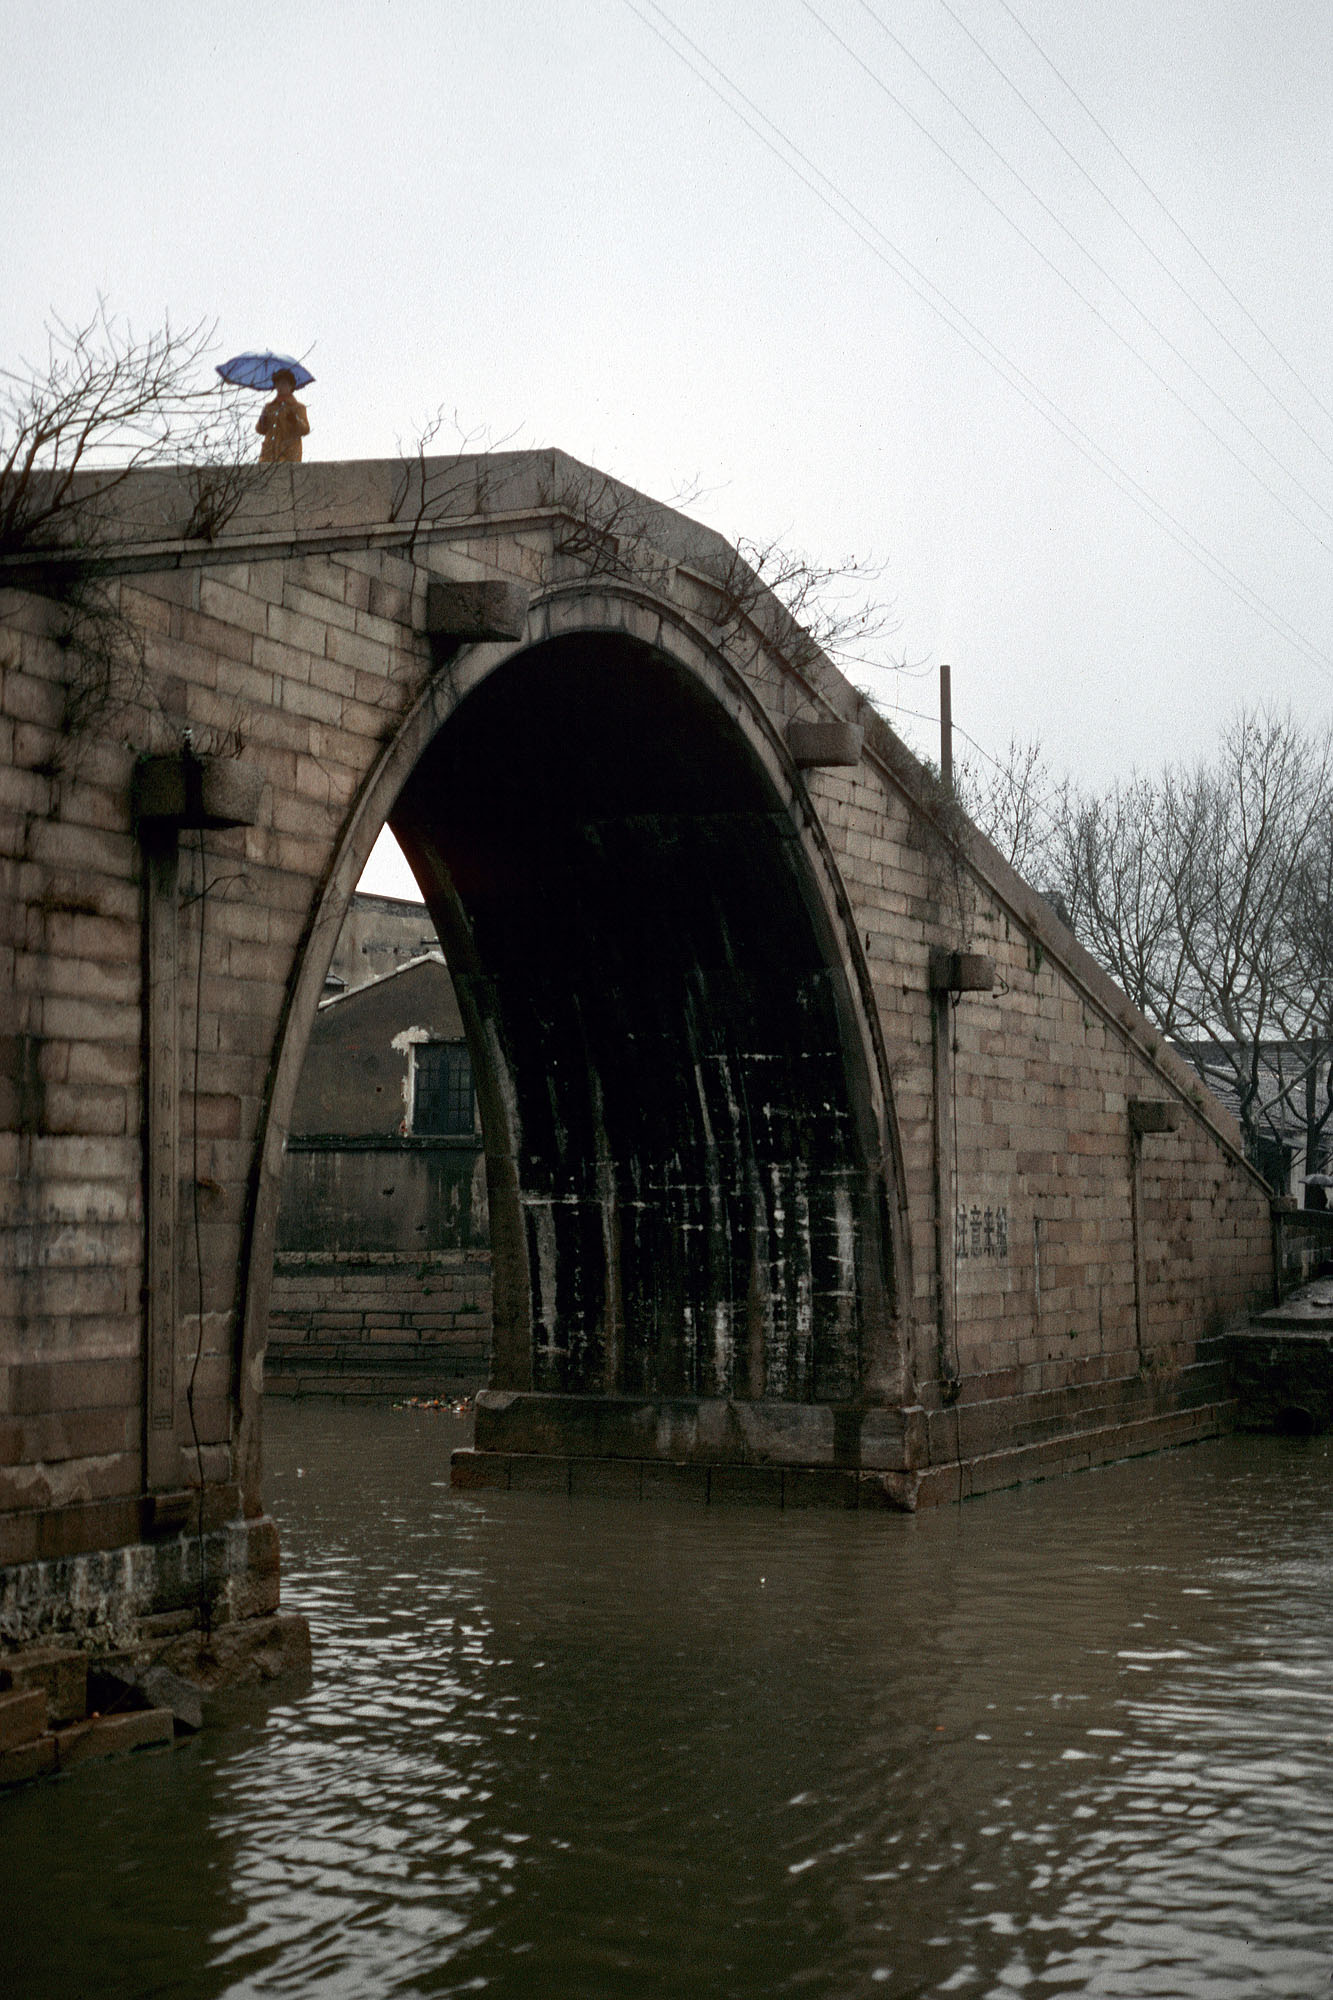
22	1717
109	1735
374	1388
84	1742
28	1760
59	1672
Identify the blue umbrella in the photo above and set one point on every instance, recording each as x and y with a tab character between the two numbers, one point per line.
256	371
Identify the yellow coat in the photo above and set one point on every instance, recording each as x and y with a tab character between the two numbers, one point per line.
282	425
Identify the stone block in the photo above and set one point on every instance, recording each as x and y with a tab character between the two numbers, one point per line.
819	1486
248	1652
180	789
231	606
813	744
622	1477
366	656
295	628
474	611
889	1492
1154	1114
665	1480
83	1529
531	1472
745	1485
469	1468
22	1716
111	1735
172	1692
28	1760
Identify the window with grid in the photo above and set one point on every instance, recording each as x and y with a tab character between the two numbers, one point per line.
442	1097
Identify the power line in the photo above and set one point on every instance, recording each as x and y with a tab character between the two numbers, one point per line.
1095	262
881	246
1139	238
1039	804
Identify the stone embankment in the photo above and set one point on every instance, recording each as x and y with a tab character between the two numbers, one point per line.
61	1706
1281	1364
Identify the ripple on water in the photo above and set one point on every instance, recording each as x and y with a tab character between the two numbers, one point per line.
1075	1738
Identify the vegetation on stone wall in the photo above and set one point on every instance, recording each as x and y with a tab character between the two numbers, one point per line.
102	404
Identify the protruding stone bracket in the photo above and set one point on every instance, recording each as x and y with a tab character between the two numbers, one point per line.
181	789
1153	1114
814	745
961	971
467	612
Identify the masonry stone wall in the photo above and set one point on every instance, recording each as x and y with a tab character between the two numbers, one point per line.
1058	1279
1047	1343
367	1325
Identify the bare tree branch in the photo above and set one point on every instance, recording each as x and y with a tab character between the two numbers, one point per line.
104	402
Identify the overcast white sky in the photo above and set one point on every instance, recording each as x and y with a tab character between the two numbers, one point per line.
533	212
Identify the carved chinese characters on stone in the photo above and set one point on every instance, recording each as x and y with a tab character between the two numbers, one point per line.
980	1232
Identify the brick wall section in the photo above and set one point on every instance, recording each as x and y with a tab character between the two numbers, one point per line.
315	656
1043	1072
378	1325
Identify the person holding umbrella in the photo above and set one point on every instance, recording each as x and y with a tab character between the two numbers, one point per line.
283	422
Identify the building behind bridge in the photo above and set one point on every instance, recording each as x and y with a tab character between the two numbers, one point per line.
382	1276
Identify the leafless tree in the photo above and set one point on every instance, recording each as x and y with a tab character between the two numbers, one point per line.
222	473
1246	835
832	610
104	401
835	607
433	486
1206	891
102	404
1015	802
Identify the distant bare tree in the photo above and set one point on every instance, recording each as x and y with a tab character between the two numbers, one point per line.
1015	802
1246	839
1206	891
1117	862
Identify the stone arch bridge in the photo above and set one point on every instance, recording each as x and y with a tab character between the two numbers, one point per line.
822	1163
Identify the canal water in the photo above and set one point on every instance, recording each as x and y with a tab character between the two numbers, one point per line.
1071	1740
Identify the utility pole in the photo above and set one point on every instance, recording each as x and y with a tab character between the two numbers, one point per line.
946	731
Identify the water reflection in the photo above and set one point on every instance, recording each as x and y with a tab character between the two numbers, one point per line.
1077	1738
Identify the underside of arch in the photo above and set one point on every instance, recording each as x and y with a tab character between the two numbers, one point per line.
685	1167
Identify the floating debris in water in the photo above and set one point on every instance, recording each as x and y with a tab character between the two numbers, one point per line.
454	1406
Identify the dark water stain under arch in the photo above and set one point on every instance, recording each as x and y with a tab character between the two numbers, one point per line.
686	1177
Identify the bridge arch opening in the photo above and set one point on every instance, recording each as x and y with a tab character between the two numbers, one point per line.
684	1159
